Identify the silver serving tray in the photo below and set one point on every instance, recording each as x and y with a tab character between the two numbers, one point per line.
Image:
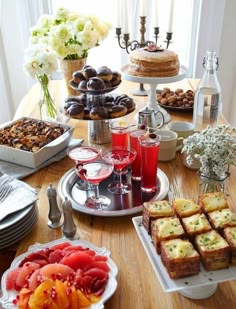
121	205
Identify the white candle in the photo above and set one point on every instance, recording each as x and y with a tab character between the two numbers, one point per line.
118	13
169	28
155	13
126	16
143	5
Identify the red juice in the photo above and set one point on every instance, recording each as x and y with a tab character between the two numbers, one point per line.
119	134
149	162
119	137
134	144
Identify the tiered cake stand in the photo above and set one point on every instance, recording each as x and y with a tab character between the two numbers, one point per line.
98	130
152	103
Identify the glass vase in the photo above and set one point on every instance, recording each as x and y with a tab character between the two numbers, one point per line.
47	106
209	183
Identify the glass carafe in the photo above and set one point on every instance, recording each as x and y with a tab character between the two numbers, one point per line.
207	102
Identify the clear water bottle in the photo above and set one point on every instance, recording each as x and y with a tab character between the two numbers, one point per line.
207	101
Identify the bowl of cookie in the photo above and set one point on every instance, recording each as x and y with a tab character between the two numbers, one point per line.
31	142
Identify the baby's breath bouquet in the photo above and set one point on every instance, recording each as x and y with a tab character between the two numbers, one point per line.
215	148
69	34
40	62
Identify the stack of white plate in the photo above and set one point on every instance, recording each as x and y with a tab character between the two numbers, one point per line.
15	226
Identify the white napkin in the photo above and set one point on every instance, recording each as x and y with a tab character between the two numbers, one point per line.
21	196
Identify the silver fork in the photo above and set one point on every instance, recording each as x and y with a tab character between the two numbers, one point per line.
5	191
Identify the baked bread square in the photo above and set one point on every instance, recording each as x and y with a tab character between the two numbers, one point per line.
180	258
230	236
213	249
213	201
220	219
186	207
156	209
165	229
196	224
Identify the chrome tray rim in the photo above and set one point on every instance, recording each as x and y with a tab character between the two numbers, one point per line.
62	191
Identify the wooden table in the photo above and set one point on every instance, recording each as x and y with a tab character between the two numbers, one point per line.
138	286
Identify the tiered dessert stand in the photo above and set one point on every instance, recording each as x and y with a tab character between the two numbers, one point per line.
153	82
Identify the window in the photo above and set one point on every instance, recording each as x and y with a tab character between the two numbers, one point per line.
108	53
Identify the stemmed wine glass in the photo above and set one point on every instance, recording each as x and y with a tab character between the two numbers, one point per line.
82	155
120	157
95	172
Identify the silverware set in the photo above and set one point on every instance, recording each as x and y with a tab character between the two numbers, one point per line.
5	187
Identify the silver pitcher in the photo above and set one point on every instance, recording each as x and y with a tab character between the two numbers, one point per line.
151	118
99	131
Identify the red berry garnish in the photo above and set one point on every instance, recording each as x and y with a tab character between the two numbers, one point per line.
82	171
142	127
152	135
79	165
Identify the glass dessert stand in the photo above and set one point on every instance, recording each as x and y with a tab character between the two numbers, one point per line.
153	82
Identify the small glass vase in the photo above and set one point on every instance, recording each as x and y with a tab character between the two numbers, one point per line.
209	183
47	106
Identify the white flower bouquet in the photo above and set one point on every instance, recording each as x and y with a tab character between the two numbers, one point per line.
215	148
69	34
40	62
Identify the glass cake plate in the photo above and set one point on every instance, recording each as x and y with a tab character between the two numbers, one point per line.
199	286
9	296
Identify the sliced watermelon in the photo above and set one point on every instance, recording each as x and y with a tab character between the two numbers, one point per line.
11	278
32	257
100	258
35	280
25	272
60	246
56	256
98	264
78	260
57	271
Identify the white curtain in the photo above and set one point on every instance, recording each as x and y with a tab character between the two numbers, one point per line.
17	16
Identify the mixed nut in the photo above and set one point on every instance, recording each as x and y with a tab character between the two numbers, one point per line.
178	98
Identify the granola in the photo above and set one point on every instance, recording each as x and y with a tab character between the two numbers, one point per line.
29	134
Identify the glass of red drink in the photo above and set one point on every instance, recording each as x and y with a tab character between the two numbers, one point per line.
95	172
149	149
134	144
119	133
120	157
82	155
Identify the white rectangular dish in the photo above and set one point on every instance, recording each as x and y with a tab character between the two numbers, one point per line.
204	278
35	159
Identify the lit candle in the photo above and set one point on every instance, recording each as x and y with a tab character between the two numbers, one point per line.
155	13
118	14
126	16
143	5
169	29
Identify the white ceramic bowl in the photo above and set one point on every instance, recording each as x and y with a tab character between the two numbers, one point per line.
35	159
8	296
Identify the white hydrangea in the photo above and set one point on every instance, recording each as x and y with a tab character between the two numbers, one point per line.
70	34
215	148
39	60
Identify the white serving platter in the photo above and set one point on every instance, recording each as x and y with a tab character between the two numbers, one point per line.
9	296
197	287
30	159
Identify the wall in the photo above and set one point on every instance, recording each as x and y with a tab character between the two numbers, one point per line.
227	58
